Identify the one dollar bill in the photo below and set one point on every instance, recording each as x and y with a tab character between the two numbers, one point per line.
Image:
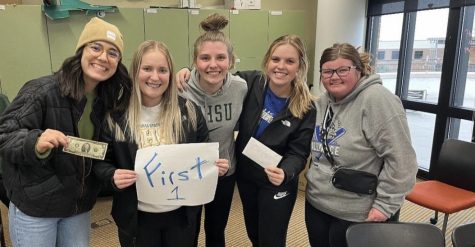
86	148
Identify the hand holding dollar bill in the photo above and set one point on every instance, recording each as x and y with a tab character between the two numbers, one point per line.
86	148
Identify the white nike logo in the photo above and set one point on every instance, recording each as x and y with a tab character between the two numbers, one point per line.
280	195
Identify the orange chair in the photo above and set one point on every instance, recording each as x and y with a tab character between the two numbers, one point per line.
452	188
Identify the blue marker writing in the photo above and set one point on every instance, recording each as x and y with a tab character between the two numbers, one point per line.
149	174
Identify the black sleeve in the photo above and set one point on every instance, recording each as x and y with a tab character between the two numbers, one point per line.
298	147
201	127
250	76
104	169
21	124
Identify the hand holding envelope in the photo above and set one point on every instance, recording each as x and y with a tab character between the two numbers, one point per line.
261	154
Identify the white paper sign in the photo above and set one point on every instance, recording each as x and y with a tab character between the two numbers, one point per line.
179	174
261	154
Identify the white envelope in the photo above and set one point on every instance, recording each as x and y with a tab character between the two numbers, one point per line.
261	154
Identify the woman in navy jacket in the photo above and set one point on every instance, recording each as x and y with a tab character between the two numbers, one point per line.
279	113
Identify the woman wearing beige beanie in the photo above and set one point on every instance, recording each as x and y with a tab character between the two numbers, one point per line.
51	191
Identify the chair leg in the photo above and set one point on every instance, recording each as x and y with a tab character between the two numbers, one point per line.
444	225
434	220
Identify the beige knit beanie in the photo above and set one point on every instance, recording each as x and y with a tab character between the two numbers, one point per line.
99	30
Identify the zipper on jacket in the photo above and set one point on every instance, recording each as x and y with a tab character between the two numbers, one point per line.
83	163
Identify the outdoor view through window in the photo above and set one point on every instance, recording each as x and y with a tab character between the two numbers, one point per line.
424	79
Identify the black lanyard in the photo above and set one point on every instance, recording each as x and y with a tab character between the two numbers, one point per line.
327	121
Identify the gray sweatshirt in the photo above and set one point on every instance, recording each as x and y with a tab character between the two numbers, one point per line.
369	132
221	111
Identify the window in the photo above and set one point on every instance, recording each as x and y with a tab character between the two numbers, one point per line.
434	76
425	74
421	126
418	54
464	90
387	41
395	55
461	129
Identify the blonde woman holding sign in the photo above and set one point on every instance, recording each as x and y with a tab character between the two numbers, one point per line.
156	116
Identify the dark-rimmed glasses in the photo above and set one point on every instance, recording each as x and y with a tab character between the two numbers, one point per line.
341	71
96	49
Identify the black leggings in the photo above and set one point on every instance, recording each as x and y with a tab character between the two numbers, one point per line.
267	210
217	212
169	229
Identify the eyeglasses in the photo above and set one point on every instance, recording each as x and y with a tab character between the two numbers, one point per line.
96	49
341	71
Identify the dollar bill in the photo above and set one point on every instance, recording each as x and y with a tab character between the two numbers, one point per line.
86	148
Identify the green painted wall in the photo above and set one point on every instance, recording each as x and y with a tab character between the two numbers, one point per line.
175	35
64	34
249	35
32	45
24	50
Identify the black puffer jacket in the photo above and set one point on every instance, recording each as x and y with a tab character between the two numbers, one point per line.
62	184
121	155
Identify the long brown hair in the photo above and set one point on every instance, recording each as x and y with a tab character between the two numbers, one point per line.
115	91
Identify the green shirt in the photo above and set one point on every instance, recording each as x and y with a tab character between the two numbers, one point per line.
85	126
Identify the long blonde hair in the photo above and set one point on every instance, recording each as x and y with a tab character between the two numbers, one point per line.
300	100
170	122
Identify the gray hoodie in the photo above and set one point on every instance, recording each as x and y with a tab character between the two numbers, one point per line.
221	111
369	132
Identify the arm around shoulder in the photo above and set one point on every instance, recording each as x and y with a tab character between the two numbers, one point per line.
104	169
201	129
